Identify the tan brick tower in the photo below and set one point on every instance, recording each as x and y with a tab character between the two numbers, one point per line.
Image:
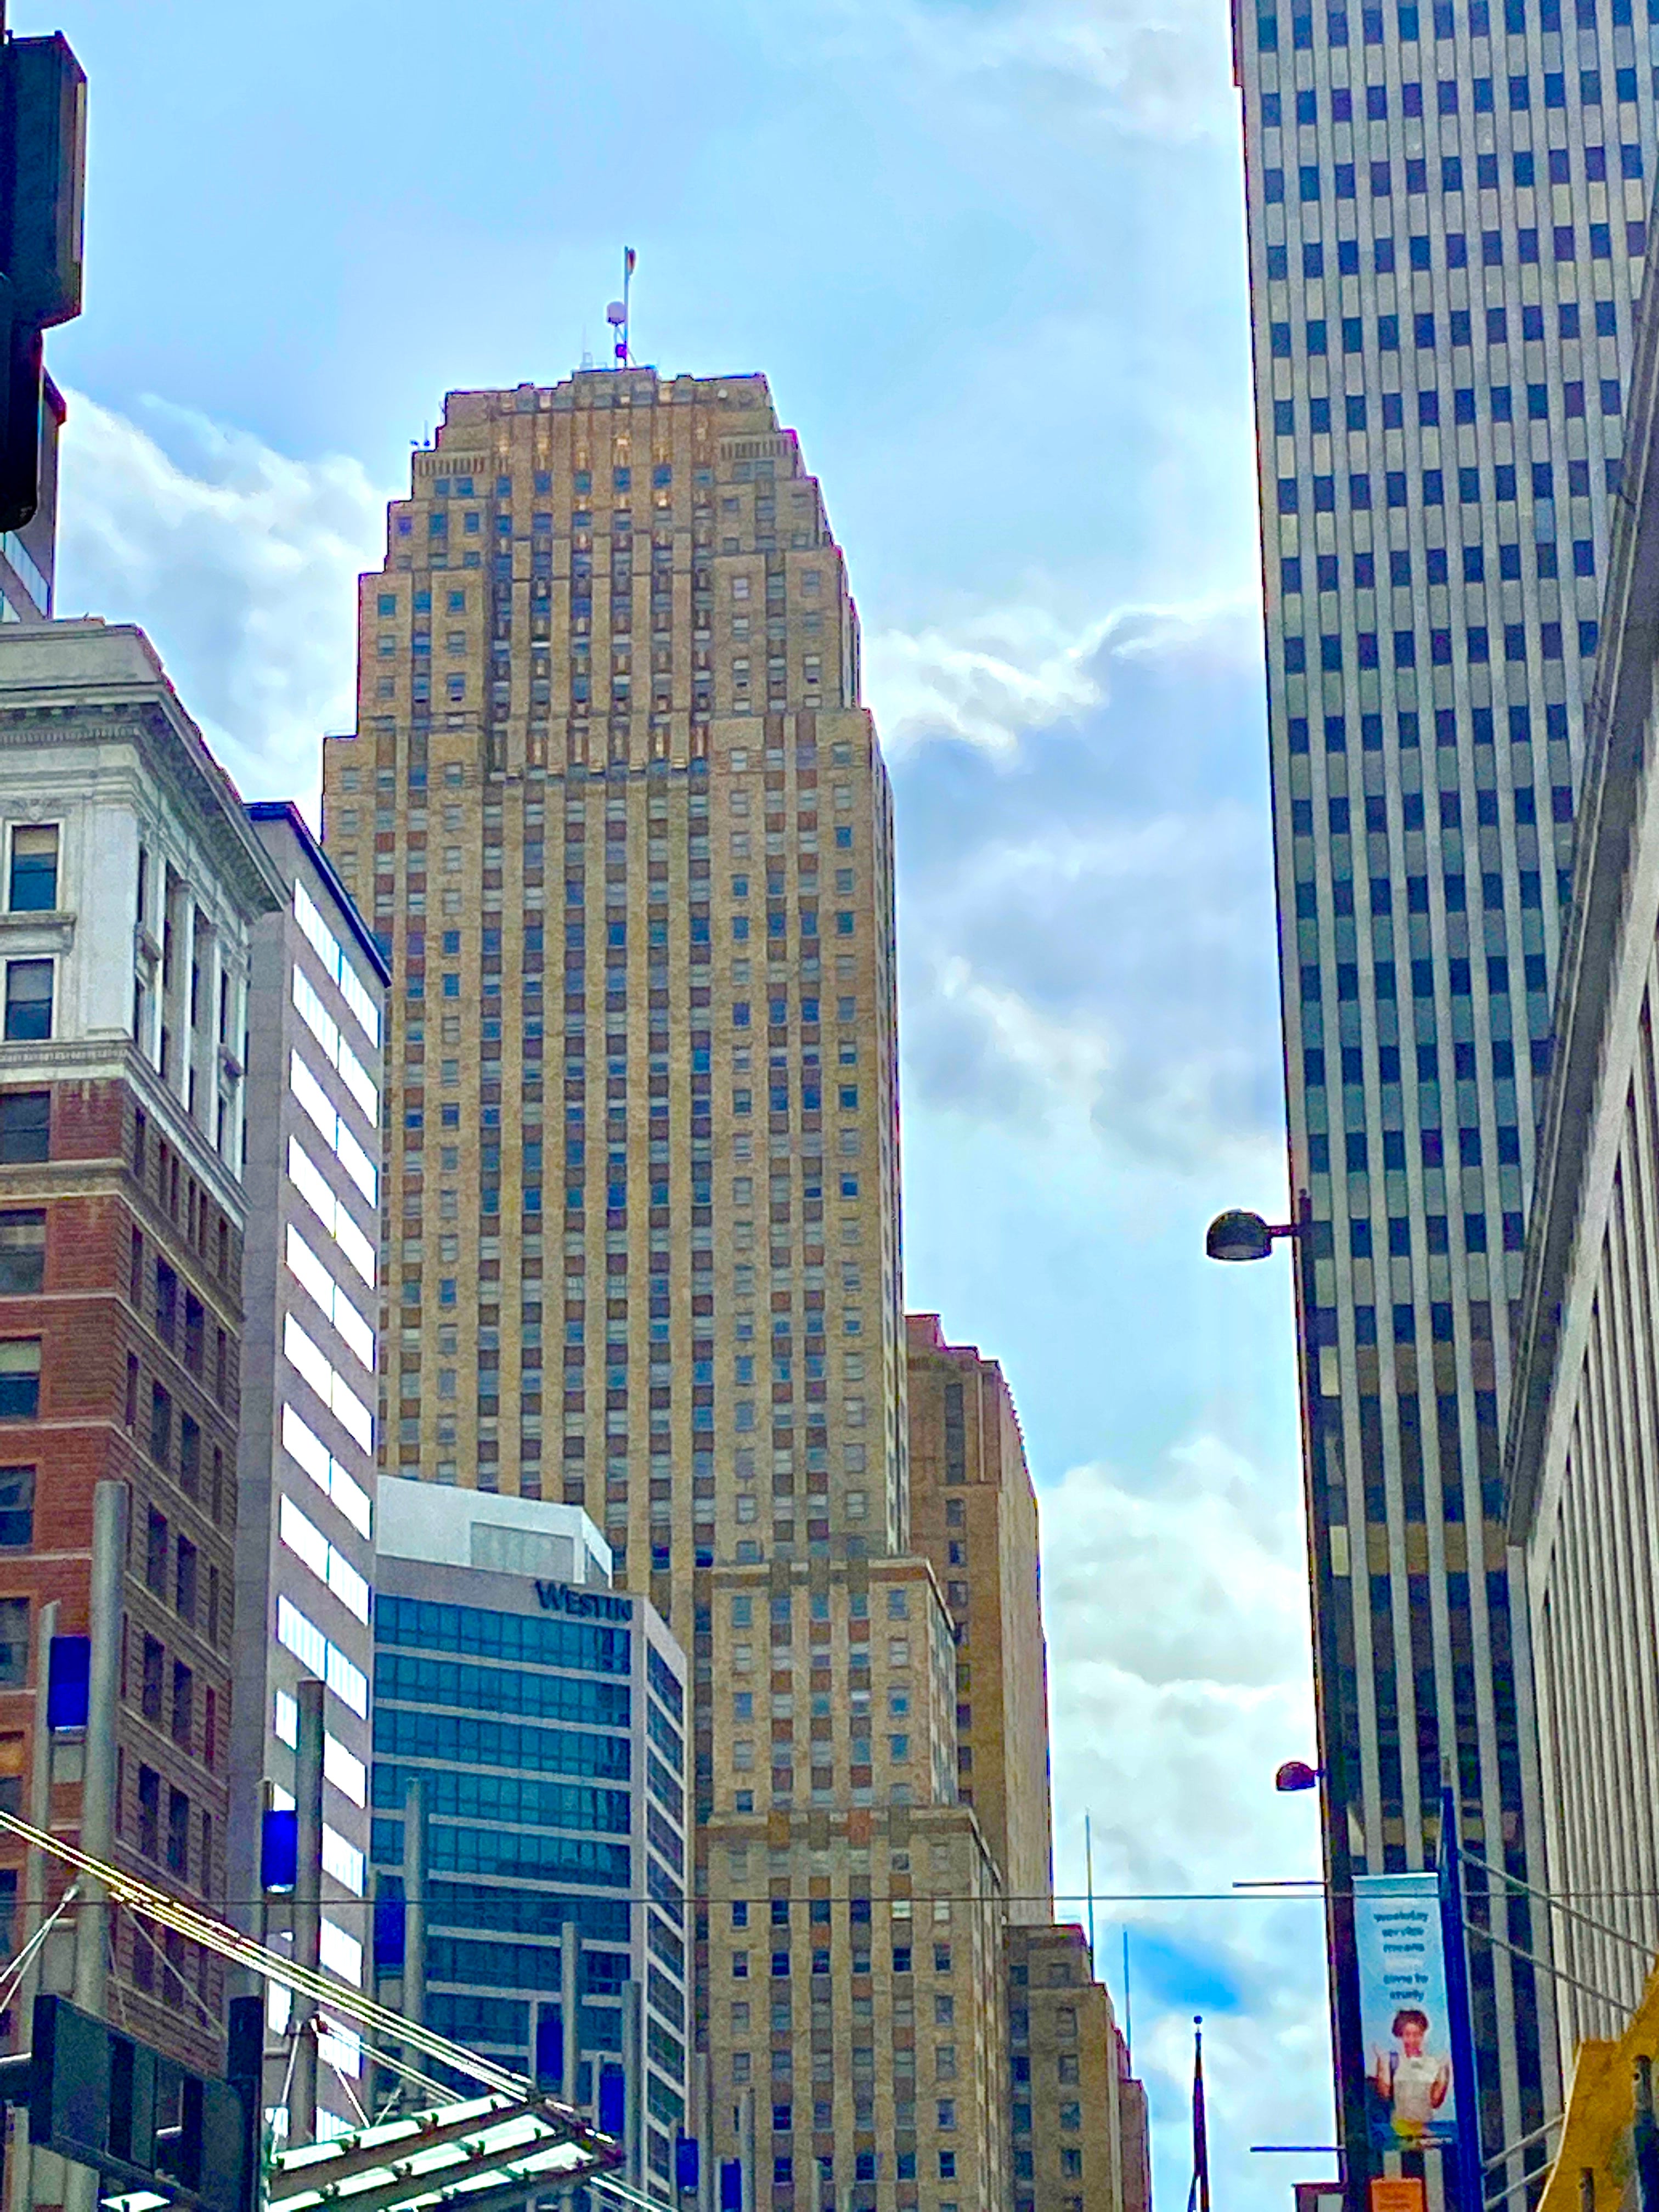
623	826
618	812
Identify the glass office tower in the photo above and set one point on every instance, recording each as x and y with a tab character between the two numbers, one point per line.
1447	220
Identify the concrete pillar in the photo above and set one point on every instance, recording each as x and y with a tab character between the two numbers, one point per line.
569	2032
92	1919
307	1908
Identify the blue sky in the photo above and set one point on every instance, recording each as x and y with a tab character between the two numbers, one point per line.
990	254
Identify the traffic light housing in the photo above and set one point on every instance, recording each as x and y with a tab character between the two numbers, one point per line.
112	2103
43	167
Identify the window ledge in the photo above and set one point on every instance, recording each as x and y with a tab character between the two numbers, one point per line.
37	932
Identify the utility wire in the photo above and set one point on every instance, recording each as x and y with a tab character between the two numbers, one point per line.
1548	1897
1520	2144
1556	1973
126	1889
19	1967
1264	1893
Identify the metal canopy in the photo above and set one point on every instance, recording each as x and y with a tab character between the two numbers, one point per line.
463	2155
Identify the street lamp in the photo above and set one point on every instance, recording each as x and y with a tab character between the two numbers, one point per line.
1236	1235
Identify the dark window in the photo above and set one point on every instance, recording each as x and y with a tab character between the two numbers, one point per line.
20	1379
34	871
22	1253
166	1303
149	1812
184	1705
190	1456
155	1553
29	1000
195	1332
16	1508
160	1425
185	1580
14	1641
177	1833
25	1127
155	1659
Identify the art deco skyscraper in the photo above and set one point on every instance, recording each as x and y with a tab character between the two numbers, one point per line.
616	809
641	1132
1447	206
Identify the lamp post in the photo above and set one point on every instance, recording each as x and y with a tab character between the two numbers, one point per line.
1237	1236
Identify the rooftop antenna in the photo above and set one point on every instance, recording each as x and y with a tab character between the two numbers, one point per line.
1128	2008
1089	1864
617	314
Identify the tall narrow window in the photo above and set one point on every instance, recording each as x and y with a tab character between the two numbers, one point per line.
184	1705
177	1833
149	1812
20	1379
22	1253
160	1425
14	1641
190	1456
16	1508
154	1660
25	1127
185	1580
155	1553
33	870
29	1000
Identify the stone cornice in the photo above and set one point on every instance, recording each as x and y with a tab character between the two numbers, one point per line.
175	753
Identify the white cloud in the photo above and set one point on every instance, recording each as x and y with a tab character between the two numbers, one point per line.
239	562
1084	908
997	676
1157	68
1178	1641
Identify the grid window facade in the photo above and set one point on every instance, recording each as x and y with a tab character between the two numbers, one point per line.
1448	210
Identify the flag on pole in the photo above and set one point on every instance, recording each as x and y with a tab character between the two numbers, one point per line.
628	259
1198	2197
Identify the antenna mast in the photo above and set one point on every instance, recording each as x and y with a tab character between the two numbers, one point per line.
617	314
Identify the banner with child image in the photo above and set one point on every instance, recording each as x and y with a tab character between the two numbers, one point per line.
1404	2015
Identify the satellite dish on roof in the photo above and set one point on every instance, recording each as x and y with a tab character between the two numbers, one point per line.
616	314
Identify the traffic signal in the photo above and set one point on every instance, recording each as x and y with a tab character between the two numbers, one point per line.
112	2103
43	167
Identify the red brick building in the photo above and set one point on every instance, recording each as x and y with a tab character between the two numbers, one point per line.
128	887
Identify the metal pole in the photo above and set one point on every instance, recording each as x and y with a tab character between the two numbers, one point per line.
634	2081
1346	2038
308	1907
569	2032
1469	2190
93	1919
414	2003
109	1563
1089	1877
34	1876
35	1899
701	2122
1645	2140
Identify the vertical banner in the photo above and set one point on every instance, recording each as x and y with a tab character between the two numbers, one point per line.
1404	2013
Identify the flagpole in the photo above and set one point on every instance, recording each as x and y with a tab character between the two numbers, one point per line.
1088	1876
1199	2196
